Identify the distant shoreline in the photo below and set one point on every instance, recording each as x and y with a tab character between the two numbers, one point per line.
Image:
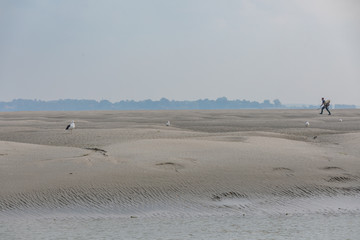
162	104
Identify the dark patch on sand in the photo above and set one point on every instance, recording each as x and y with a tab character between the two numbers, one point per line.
171	165
332	168
351	190
227	195
102	151
340	179
282	169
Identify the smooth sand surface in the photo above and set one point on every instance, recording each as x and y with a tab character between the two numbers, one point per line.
129	163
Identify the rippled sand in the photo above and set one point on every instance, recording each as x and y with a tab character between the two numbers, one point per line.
119	163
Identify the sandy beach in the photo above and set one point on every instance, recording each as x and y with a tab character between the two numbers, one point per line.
208	162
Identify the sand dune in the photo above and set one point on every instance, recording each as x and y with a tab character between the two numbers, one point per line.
207	162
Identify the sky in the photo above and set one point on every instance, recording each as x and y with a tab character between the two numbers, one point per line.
296	51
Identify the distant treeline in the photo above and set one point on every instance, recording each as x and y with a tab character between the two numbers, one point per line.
162	104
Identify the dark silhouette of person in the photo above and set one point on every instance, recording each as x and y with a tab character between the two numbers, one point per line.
325	105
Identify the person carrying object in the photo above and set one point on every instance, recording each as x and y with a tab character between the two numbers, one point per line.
325	105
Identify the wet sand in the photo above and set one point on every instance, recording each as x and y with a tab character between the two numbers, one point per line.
208	162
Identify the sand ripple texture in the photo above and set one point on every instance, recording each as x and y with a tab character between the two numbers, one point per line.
205	163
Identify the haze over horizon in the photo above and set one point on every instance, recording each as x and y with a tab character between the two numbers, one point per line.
295	51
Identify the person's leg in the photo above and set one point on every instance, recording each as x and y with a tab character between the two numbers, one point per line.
322	109
327	109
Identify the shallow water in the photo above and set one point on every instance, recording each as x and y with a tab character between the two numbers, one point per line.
300	226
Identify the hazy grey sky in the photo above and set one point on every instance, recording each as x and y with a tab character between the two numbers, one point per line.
296	51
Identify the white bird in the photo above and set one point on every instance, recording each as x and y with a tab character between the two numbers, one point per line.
340	120
168	123
307	124
71	126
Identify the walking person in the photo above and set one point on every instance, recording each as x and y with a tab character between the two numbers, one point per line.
325	104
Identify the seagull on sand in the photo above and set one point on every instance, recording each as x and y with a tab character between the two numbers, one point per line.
168	123
71	126
307	124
